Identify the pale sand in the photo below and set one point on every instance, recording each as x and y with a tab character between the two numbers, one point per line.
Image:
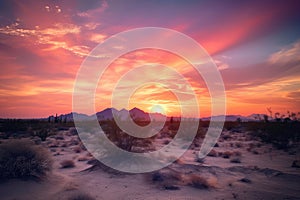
269	171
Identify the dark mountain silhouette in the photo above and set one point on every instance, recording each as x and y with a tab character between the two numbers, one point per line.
140	115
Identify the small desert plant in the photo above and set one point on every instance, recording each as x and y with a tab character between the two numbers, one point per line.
254	151
296	164
83	158
67	164
226	137
213	153
237	153
80	196
73	131
227	154
235	160
77	149
53	144
238	145
245	180
23	159
200	160
200	182
43	134
279	133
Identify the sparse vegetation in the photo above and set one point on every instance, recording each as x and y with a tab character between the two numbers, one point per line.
235	160
213	153
245	180
77	149
170	179
281	134
23	159
227	154
124	140
67	164
43	134
78	195
296	164
200	182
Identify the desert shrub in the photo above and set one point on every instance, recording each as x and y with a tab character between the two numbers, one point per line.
296	164
227	154
200	160
280	134
238	145
168	186
23	159
124	140
226	137
213	153
53	144
83	158
201	132
166	142
74	141
73	131
232	126
77	149
80	196
201	182
67	164
245	180
235	160
254	151
236	153
59	137
166	175
64	144
43	134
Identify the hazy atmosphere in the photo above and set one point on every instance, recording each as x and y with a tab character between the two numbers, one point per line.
255	45
149	100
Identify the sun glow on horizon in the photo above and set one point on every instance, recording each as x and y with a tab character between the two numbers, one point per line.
158	109
41	53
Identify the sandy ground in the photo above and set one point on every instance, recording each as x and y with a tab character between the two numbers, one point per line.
253	171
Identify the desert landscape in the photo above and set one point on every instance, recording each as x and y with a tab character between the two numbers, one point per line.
149	100
246	163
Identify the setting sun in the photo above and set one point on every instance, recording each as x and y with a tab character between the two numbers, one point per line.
42	51
158	109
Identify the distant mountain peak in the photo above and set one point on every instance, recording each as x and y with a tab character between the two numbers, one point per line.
137	113
137	109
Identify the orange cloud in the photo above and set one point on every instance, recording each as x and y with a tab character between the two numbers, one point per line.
42	45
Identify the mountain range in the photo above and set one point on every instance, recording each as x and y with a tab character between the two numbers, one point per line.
138	114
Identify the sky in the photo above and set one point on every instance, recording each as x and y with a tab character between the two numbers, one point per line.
255	45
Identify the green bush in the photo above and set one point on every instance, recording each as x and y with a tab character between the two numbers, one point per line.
23	159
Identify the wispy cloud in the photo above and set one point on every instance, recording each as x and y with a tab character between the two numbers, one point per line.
290	54
43	43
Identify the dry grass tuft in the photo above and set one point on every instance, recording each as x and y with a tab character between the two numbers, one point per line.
200	182
171	179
